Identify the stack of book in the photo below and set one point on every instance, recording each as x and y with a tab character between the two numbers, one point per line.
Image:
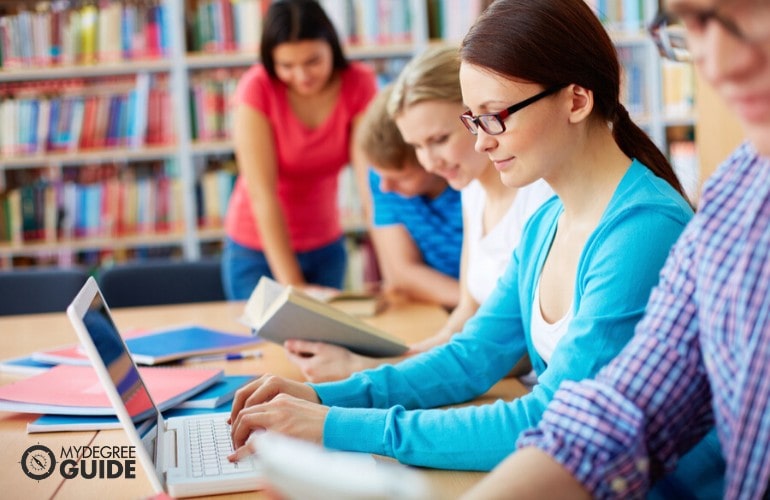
65	390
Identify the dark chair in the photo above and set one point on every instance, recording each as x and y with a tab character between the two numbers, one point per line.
39	290
146	283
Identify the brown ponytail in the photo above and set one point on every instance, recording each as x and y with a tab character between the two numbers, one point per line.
634	142
556	42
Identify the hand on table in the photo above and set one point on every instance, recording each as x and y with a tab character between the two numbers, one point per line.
322	362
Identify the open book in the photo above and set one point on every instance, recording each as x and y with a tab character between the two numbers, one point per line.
278	313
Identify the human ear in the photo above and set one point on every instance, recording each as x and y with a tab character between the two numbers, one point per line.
581	103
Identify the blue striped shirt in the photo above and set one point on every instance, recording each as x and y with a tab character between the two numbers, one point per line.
700	356
435	225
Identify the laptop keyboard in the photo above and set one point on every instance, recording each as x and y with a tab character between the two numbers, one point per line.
210	444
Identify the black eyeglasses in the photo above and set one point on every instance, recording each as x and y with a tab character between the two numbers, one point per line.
493	123
674	34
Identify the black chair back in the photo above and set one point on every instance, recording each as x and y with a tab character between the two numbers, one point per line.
146	283
39	290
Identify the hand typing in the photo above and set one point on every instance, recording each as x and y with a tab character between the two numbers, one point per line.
277	404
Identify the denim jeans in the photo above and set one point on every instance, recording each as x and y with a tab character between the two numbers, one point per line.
242	267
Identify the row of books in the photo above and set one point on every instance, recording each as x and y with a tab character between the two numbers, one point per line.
678	89
60	382
94	201
632	89
211	96
83	33
620	15
224	25
110	200
451	19
77	115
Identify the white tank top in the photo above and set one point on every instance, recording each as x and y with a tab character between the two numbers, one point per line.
546	335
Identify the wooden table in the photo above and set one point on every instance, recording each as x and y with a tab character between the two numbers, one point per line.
21	335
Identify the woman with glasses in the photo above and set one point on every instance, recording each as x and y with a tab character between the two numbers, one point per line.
295	114
424	104
541	82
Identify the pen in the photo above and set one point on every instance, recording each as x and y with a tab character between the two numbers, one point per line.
230	356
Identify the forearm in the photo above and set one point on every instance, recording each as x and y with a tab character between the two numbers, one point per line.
528	473
422	283
277	244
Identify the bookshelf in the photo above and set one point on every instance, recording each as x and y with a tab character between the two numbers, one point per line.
188	54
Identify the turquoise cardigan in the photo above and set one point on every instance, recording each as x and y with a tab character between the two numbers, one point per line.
384	411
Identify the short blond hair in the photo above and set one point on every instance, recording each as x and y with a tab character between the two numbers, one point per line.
379	138
433	75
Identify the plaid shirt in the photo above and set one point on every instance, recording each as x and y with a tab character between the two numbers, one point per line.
700	356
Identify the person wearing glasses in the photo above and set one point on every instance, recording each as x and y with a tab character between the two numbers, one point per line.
294	117
701	354
541	86
424	104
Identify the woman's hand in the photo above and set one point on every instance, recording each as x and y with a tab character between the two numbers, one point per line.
265	389
322	362
283	413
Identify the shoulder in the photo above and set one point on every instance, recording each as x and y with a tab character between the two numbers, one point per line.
254	86
359	85
642	194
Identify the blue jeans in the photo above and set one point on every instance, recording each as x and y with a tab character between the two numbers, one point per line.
242	267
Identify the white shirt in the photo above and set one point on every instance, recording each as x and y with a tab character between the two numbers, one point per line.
489	254
546	335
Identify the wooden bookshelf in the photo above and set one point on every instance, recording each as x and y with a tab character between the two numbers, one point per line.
182	68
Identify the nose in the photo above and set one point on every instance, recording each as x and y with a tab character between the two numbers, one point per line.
722	56
430	160
484	142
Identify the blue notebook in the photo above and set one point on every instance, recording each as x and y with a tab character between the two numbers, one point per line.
24	365
183	342
161	346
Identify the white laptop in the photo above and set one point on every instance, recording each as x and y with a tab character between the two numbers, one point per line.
183	456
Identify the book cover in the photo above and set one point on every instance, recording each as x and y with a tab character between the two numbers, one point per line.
217	394
24	365
76	390
279	313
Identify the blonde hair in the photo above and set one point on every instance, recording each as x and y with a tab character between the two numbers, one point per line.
379	138
433	75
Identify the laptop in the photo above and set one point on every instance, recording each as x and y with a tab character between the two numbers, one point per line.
182	456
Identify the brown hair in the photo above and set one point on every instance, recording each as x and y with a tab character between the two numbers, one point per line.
294	21
554	42
432	75
379	137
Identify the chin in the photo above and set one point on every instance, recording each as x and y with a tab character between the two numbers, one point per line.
760	139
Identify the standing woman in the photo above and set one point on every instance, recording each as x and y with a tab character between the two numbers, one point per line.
295	114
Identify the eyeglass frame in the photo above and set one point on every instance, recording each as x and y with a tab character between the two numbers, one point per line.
669	50
468	119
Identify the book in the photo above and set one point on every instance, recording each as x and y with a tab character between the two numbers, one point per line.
161	346
24	365
67	423
217	394
76	390
278	313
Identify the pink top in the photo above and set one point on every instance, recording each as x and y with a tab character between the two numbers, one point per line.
309	160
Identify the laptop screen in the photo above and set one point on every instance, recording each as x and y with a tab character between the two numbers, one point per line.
122	371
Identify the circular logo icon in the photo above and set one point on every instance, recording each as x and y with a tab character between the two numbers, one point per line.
38	462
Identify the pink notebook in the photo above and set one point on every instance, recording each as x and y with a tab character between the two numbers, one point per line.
76	390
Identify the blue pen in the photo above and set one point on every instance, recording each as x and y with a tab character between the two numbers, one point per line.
230	356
